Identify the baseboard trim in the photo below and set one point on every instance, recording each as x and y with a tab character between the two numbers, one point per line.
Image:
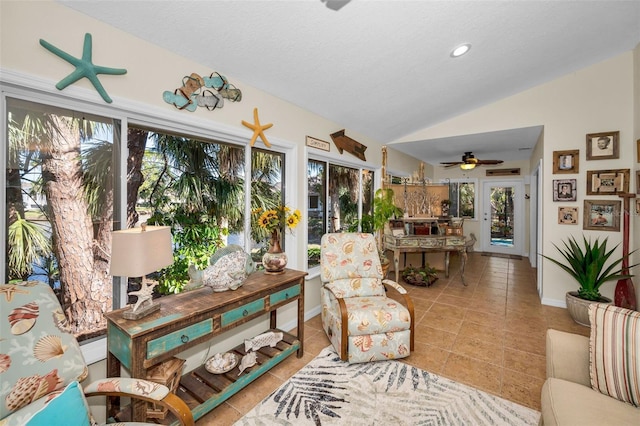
554	302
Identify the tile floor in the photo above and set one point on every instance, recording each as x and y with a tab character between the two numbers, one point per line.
489	335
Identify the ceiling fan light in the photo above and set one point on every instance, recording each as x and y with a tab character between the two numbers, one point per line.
467	166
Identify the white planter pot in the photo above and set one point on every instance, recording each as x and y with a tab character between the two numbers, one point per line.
579	308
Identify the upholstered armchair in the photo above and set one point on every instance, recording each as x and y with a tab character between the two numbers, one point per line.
362	323
41	365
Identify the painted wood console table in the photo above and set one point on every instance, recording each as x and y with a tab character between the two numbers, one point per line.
188	319
426	244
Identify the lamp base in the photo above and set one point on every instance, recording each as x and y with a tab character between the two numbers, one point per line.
143	311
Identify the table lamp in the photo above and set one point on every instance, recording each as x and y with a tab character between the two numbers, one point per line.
136	252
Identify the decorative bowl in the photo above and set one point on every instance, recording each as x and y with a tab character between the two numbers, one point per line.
221	363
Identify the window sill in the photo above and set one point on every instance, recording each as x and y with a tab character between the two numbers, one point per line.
94	350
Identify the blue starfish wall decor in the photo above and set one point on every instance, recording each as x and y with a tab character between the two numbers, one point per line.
84	67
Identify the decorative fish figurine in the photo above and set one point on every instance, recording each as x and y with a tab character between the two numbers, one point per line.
269	338
249	360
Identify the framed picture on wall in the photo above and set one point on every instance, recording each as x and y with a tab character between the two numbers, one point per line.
638	150
566	161
603	146
602	215
568	215
638	207
637	181
607	182
564	190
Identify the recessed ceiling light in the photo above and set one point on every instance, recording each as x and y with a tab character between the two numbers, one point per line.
460	50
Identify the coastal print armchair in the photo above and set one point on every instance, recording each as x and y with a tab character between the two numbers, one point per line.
41	365
362	323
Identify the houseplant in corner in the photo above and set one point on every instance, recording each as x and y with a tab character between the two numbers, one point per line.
587	267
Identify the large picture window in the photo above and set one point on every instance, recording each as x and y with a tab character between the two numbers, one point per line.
194	185
338	197
63	191
60	199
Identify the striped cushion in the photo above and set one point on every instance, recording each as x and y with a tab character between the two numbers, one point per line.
615	352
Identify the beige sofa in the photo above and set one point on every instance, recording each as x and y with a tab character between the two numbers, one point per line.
567	396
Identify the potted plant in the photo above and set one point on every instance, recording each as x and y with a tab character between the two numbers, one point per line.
383	209
424	276
587	267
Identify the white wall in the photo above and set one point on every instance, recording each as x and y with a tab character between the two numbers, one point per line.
596	99
151	71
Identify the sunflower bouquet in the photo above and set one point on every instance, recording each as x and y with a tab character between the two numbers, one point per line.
275	221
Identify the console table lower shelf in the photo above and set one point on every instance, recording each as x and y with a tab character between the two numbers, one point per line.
204	391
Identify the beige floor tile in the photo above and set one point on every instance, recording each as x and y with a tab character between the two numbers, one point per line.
291	365
486	319
471	371
434	337
260	389
525	362
445	323
315	342
482	332
522	388
480	349
428	357
223	415
452	300
533	343
448	310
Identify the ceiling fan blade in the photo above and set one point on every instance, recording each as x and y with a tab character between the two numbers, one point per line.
489	161
451	163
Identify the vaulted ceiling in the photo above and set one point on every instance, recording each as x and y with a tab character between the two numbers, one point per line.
383	68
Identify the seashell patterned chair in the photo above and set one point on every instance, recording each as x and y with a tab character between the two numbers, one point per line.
362	323
41	365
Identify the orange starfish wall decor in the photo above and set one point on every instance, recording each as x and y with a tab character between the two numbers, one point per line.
258	129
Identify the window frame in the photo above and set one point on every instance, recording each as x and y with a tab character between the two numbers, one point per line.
474	181
329	159
19	86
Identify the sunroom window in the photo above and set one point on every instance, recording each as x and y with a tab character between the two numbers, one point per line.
338	197
61	200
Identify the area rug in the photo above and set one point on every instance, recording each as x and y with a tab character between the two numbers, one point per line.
328	391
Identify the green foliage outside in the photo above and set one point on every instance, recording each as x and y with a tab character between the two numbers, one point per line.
195	239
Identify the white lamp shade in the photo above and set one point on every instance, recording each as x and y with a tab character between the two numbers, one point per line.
136	253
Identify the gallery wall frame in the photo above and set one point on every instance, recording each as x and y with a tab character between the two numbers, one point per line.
565	190
603	146
638	150
637	181
566	161
608	182
568	215
638	207
602	215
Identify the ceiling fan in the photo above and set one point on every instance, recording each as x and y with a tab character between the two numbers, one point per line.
469	161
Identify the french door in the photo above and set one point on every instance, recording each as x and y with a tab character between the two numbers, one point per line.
502	217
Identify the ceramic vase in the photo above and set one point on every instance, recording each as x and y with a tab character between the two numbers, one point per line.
274	260
625	293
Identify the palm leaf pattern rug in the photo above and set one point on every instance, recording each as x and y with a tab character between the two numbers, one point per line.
328	391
